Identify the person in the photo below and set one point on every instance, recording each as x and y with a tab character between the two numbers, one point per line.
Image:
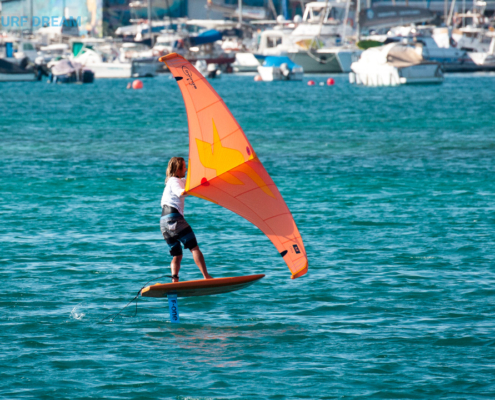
173	226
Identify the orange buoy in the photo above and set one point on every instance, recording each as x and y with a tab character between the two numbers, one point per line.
137	84
311	83
330	81
258	78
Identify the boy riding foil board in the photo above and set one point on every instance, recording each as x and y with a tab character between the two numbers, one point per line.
173	226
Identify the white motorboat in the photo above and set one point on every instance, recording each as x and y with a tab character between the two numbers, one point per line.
245	62
280	69
106	61
101	67
394	64
144	62
435	45
317	42
480	46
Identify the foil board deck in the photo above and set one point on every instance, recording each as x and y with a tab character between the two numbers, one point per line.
202	287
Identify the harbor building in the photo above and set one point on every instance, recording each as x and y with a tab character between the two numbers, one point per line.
102	17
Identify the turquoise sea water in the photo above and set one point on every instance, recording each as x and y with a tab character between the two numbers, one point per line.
393	190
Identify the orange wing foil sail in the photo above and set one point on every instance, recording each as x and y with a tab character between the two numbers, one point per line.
224	169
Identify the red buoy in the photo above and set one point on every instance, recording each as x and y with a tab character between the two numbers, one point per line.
258	78
137	84
311	83
330	81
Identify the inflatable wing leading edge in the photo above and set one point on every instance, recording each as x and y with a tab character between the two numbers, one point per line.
224	169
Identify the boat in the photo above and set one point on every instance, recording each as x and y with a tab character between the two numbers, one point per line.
434	44
15	62
105	59
280	69
317	42
394	64
51	52
67	71
479	44
102	66
485	59
11	71
245	62
208	70
144	62
204	45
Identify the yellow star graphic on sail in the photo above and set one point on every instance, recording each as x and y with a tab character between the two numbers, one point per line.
224	159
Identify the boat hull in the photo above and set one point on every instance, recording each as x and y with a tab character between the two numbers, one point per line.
325	60
319	63
269	74
145	67
111	70
17	77
386	75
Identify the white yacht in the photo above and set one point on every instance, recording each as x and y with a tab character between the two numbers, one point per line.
103	60
317	42
143	59
394	64
479	44
435	45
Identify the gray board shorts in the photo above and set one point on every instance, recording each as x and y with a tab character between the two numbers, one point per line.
176	230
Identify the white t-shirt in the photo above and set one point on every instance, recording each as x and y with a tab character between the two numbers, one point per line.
172	194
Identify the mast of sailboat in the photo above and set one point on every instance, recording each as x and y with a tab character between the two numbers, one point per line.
240	14
451	13
358	10
272	8
31	12
168	9
348	3
149	23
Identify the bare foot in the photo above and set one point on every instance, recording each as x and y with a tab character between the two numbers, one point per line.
208	276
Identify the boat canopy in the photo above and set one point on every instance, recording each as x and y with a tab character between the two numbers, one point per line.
209	36
397	54
66	67
404	56
275	61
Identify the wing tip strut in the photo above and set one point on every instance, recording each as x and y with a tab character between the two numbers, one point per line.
168	57
301	272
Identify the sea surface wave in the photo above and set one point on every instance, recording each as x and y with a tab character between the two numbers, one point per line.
393	192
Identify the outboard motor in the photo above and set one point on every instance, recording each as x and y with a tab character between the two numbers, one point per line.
284	68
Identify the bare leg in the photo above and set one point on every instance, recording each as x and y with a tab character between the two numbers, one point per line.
200	262
175	267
